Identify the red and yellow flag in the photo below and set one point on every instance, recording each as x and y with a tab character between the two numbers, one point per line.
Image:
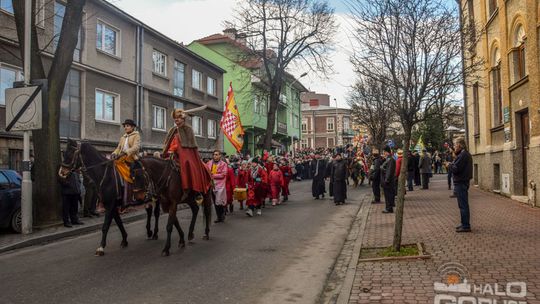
230	122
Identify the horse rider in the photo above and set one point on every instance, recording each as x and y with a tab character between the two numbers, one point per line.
181	146
126	154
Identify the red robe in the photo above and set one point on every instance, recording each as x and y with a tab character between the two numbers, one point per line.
230	184
276	183
256	189
193	172
287	176
242	180
269	166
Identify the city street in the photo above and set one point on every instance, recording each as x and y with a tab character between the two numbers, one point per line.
285	255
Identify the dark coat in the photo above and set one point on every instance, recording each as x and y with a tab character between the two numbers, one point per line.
425	164
375	171
388	172
462	168
71	184
318	171
338	177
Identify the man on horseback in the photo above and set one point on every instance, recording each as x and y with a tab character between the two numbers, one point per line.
181	146
126	156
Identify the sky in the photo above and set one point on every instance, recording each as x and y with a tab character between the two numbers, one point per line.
188	20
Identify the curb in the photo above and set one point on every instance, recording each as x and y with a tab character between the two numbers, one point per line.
47	238
346	287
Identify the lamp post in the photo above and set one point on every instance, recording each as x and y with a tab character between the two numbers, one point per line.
299	114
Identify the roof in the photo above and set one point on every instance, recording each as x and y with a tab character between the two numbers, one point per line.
177	44
307	107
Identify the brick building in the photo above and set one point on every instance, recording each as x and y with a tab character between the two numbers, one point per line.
324	126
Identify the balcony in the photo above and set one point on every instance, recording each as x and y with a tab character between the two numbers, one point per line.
282	128
348	133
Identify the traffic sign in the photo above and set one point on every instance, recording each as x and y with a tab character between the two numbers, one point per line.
23	108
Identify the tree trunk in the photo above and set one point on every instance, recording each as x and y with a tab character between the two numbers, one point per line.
401	192
46	142
271	123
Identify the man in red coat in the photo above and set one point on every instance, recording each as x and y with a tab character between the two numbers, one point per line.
257	181
243	176
181	145
287	175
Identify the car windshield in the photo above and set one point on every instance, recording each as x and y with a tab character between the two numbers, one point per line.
14	177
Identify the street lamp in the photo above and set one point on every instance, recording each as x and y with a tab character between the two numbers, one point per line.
299	113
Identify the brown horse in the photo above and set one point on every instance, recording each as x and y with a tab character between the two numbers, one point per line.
162	179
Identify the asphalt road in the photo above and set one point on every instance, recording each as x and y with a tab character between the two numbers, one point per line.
245	261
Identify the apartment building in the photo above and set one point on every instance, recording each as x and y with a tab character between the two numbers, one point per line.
324	126
122	69
502	104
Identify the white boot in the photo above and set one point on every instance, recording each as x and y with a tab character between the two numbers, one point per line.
259	211
249	212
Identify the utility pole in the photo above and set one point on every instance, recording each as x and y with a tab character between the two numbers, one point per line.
26	191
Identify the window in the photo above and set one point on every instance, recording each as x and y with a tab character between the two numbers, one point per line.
295	121
492	6
178	81
304	143
476	109
7	77
196	80
40	13
330	124
260	106
178	105
70	106
304	125
160	63
211	86
346	123
59	11
496	89
211	129
330	142
283	98
197	125
15	159
6	5
106	105
472	25
160	121
519	54
107	39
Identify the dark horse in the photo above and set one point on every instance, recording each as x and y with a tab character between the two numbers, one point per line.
162	179
108	182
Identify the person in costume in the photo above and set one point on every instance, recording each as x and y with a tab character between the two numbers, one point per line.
126	155
181	146
218	168
257	180
287	176
276	182
243	176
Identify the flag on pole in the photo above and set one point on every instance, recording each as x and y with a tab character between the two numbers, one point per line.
230	122
419	145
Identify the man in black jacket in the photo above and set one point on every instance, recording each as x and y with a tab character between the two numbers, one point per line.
338	177
462	169
388	180
318	170
375	177
410	171
71	192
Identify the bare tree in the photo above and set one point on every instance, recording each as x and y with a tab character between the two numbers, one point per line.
46	142
368	105
282	33
413	48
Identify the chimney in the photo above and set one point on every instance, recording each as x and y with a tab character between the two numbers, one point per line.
230	32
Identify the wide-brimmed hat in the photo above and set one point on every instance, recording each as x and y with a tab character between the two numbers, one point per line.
129	122
184	113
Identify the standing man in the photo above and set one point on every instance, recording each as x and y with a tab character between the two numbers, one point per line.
417	179
71	192
388	180
375	176
462	171
318	171
410	171
425	169
338	177
218	170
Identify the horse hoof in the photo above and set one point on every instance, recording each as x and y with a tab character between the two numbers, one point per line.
148	234
124	244
206	237
154	237
100	253
191	237
191	243
165	253
181	245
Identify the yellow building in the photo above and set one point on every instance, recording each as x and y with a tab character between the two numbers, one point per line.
503	100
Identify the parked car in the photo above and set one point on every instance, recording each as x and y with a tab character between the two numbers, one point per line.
10	200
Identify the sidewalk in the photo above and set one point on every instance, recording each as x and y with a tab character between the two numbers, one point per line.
11	241
503	247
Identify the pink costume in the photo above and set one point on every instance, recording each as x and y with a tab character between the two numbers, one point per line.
219	176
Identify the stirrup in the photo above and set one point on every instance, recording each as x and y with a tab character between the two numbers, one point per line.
199	199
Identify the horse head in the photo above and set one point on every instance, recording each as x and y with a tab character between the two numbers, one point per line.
70	155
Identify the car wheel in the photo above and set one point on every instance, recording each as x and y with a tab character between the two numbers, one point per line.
16	221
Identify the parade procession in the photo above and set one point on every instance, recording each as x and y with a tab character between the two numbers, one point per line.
269	151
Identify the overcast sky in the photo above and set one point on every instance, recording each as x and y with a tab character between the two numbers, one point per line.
188	20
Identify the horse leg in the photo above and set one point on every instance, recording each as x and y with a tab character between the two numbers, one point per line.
182	242
170	223
120	224
148	220
207	216
157	212
104	230
194	213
